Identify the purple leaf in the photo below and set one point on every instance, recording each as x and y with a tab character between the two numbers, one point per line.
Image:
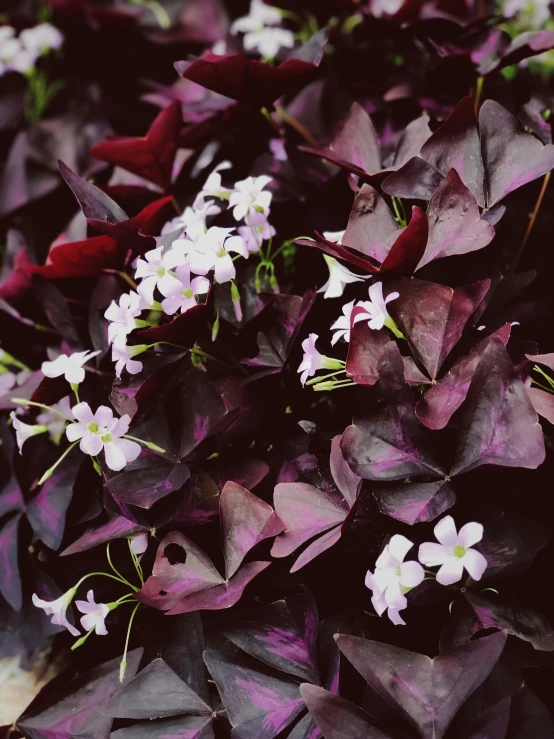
529	717
512	156
492	724
499	425
10	582
346	481
432	317
117	528
523	46
546	359
94	203
455	225
356	142
317	547
371	226
364	352
337	718
367	264
427	691
260	704
412	139
147	480
415	180
388	442
407	251
77	708
415	502
456	145
47	510
511	543
156	692
185	727
272	636
246	520
542	402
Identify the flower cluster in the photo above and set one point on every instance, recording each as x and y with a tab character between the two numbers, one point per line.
19	53
393	577
261	30
173	278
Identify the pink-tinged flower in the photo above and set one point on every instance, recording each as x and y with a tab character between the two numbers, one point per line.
7	381
213	188
339	276
454	552
101	431
259	15
41	38
155	272
122	355
213	251
312	360
53	419
183	296
193	219
58	609
256	232
277	148
24	431
139	544
95	614
376	306
71	366
249	197
122	317
393	578
268	41
343	325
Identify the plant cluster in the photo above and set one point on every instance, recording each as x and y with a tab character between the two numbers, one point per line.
277	367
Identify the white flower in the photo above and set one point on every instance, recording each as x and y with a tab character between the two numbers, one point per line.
122	355
454	552
57	609
339	276
155	271
393	578
249	197
376	306
24	431
101	431
122	316
41	38
71	366
139	543
385	7
193	219
268	41
7	381
342	326
258	16
257	231
183	297
55	423
212	251
95	614
532	12
334	236
314	361
212	187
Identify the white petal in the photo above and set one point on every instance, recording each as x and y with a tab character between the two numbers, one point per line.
103	416
445	531
133	366
379	604
122	425
431	554
130	449
470	534
475	563
115	459
83	413
395	617
146	289
411	574
55	368
399	546
200	285
91	444
75	431
450	572
224	269
394	597
168	285
74	375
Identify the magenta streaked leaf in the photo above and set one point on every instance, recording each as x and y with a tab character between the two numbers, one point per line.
337	717
415	502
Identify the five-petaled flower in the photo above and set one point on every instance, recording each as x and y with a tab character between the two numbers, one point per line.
122	317
454	552
213	188
101	431
249	197
376	306
71	366
122	355
213	251
339	276
57	609
314	361
155	271
393	578
183	295
95	614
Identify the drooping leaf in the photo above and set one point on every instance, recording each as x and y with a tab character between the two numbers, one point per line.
116	528
94	203
428	692
529	717
499	425
88	258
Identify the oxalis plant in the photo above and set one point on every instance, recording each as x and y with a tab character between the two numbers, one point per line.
277	368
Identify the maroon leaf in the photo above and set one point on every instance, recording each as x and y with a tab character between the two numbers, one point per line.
416	180
95	204
337	717
455	225
147	480
415	502
371	226
10	582
117	528
542	402
432	317
364	352
347	482
388	442
512	156
427	691
184	330
523	46
246	80
356	142
340	252
151	156
88	258
407	251
511	544
184	727
499	425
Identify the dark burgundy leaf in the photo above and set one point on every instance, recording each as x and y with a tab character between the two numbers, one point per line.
511	544
147	480
427	691
523	46
10	582
185	727
94	203
47	510
407	251
455	225
346	481
337	718
512	156
184	330
356	142
117	528
88	258
499	425
414	136
246	80
416	180
340	252
542	402
415	502
432	317
15	278
156	692
364	352
529	717
371	225
388	442
151	156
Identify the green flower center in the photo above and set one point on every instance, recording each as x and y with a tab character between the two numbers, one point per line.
459	551
92	428
187	292
106	438
160	272
220	253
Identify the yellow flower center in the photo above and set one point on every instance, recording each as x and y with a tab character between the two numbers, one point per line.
459	551
92	428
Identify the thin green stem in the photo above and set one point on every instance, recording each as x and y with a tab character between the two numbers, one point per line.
149	444
23	401
49	472
124	580
136	562
123	665
320	378
543	373
299	127
542	387
106	574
